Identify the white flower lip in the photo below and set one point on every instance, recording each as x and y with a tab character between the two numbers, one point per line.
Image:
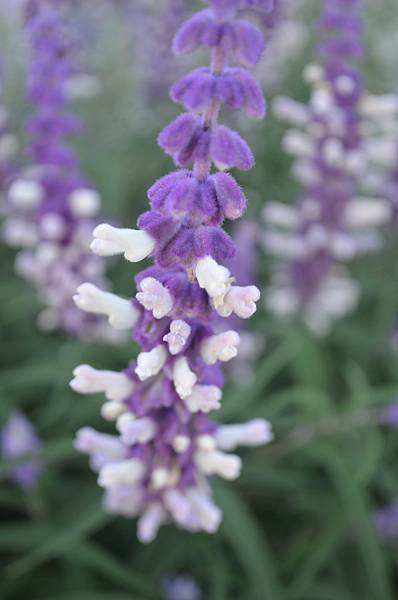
25	193
120	312
87	380
253	433
128	472
133	243
204	398
212	277
214	462
184	378
137	431
149	523
155	297
178	336
208	513
222	347
84	202
151	363
239	300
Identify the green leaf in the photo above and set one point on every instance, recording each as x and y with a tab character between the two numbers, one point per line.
241	530
61	542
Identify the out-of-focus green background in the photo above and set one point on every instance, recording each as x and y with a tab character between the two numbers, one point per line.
299	523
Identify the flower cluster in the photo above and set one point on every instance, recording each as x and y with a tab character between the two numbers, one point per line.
158	466
332	222
52	209
18	438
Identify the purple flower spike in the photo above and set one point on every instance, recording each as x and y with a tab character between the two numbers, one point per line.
167	446
332	223
17	439
51	208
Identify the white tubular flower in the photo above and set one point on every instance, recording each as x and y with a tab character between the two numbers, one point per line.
227	466
136	431
178	336
367	212
133	243
155	297
162	477
381	151
291	111
253	433
124	500
110	411
241	301
17	232
52	226
280	215
90	441
222	346
183	377
208	513
212	277
383	105
179	507
204	398
84	202
151	363
313	73
124	472
283	244
181	443
298	143
150	522
333	152
120	312
206	442
24	193
116	386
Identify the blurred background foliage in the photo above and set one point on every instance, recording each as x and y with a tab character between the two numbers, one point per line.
299	524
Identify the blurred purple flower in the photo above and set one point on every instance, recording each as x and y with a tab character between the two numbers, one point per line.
17	439
181	587
386	521
52	209
331	223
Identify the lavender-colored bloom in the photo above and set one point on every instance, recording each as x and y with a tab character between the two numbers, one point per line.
18	438
158	465
386	522
53	208
388	416
331	223
181	587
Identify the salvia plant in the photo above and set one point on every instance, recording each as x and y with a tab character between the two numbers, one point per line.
158	465
331	223
51	207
